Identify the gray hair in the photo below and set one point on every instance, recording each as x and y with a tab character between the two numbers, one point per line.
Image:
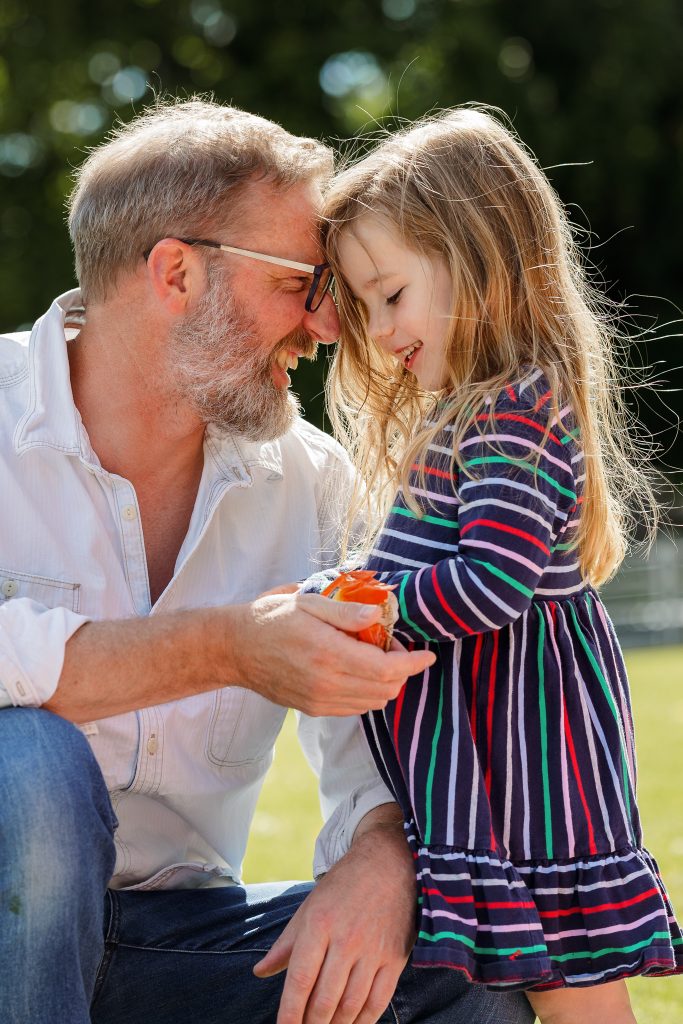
171	172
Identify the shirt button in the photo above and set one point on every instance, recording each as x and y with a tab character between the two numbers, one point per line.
152	745
129	512
9	588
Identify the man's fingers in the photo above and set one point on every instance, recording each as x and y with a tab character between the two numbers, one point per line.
302	973
379	997
346	615
277	957
329	988
355	994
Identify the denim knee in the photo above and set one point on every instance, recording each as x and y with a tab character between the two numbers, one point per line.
55	812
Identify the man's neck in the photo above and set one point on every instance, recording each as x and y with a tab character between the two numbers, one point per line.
139	428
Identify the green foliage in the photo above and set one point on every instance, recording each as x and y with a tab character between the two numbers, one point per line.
593	84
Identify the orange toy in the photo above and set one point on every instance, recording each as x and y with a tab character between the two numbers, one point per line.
361	585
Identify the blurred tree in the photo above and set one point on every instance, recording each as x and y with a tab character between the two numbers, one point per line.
593	87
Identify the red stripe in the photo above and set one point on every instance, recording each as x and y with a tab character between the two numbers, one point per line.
444	604
602	907
510	393
505	529
577	776
489	711
526	905
397	713
520	419
542	400
433	472
475	676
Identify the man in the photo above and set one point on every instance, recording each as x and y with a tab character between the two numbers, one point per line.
156	480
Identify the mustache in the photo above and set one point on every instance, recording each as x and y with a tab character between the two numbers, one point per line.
299	341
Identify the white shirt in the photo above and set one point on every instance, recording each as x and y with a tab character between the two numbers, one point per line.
183	777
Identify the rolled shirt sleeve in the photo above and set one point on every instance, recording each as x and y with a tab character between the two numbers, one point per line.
32	644
350	785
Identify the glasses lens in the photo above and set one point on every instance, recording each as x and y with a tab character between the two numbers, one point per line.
319	289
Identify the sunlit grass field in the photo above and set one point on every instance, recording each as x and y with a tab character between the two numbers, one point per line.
288	816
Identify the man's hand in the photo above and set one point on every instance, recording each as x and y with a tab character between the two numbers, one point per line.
292	650
346	946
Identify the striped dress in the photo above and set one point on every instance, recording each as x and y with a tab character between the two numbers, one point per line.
513	756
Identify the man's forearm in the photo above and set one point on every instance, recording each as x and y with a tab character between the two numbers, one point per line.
113	667
291	649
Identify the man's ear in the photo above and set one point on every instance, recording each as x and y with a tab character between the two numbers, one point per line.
175	274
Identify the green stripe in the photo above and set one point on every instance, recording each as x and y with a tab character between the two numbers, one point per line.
544	739
572	435
610	949
677	942
564	547
404	609
487	460
482	949
504	576
437	520
432	767
613	708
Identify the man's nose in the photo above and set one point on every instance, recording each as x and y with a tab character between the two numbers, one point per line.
323	325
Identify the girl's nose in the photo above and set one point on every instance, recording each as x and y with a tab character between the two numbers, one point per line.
380	327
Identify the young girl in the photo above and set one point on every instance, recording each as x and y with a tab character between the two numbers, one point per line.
474	373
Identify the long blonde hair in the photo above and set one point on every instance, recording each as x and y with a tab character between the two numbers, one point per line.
461	186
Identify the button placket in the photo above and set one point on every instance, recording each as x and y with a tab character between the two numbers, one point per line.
135	559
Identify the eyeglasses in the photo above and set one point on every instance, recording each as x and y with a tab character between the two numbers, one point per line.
322	273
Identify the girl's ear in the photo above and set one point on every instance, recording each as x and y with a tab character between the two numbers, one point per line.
175	274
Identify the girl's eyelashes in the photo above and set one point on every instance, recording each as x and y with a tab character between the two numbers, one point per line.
393	299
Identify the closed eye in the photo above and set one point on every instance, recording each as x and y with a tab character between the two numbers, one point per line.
393	299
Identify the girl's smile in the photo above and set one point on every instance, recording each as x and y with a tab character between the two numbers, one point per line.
406	294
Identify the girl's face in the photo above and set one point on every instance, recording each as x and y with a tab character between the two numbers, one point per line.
407	295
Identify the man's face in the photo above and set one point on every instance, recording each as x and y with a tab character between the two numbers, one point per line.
231	352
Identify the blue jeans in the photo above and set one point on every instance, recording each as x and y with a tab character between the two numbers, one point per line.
72	952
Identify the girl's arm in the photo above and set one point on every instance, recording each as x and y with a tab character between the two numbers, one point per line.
516	507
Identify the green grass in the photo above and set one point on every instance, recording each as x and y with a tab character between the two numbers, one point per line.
288	816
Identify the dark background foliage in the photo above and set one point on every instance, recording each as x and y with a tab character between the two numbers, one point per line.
593	86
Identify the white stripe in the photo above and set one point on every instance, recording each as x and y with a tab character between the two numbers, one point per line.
567	890
425	610
493	598
414	742
419	541
510	483
503	439
607	930
522	510
557	592
452	563
522	745
485	545
584	865
552	569
448	499
453	774
390	557
568	817
508	750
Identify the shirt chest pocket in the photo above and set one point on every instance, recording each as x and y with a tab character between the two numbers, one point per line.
46	591
243	727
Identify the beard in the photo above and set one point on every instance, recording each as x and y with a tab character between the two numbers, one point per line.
222	369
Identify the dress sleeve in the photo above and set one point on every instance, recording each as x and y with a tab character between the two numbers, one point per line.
517	490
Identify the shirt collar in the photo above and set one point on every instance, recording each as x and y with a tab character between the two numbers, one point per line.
52	419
